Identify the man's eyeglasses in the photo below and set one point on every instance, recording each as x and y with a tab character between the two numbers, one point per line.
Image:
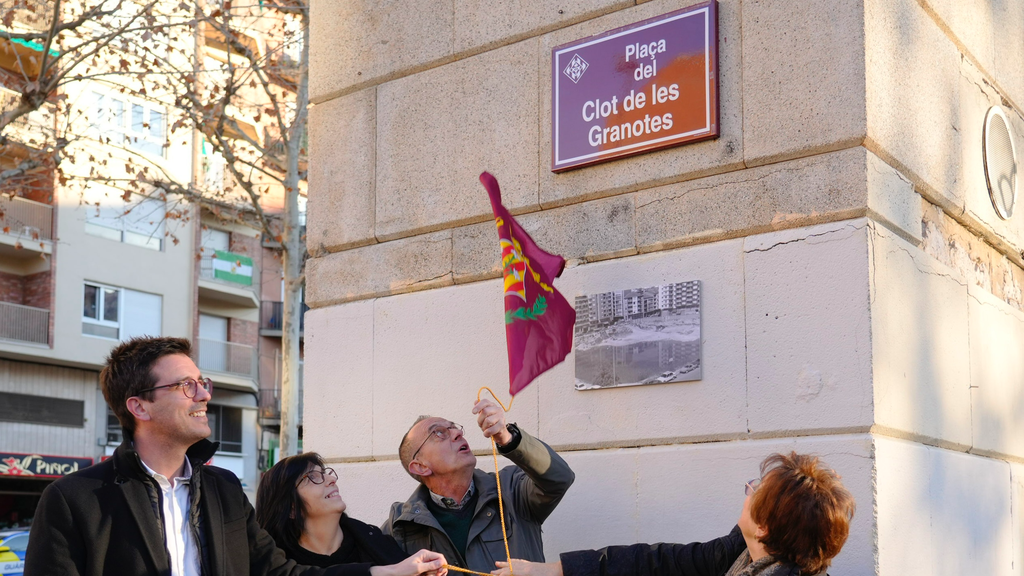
318	476
442	433
751	486
189	386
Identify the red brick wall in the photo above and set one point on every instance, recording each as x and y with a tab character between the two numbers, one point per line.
242	244
243	332
272	273
12	288
37	290
39	188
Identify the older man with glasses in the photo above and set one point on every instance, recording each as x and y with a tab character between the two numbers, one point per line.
454	511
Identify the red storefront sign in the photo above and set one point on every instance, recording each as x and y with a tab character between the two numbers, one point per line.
40	466
642	87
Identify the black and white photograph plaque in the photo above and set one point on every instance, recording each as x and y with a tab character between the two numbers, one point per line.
638	336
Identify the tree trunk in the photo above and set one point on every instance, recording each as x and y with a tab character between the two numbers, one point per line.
293	253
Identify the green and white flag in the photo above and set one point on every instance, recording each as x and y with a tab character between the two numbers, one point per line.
232	267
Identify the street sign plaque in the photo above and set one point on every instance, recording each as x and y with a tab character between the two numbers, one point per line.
643	87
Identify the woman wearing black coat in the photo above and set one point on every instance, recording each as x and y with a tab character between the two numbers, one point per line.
299	504
795	519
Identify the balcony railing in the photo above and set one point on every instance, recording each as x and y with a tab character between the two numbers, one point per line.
270	398
227	357
229	268
24	323
272	316
26	218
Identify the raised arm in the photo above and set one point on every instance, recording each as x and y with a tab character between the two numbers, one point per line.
711	558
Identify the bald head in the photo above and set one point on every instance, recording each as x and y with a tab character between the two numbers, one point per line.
407	447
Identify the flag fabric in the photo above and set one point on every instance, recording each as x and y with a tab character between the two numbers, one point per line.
232	267
538	320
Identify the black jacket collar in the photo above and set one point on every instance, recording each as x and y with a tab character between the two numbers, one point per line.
128	464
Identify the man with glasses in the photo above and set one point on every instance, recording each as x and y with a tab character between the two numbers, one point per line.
154	507
454	511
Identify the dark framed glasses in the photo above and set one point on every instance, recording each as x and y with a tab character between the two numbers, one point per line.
189	386
318	476
442	433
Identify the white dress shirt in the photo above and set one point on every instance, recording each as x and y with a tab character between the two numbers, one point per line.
181	545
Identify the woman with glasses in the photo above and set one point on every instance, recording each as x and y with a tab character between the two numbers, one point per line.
299	505
795	520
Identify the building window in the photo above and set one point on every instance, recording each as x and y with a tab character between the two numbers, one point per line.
101	314
41	410
114	434
120	314
139	222
140	126
226	427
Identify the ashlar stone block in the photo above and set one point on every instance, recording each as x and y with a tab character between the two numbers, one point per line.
803	78
1017	515
479	23
656	168
713	407
590	231
997	374
920	352
416	263
358	43
442	127
892	199
808	337
951	509
476	254
913	105
341	172
799	192
603	499
971	22
1008	24
338	380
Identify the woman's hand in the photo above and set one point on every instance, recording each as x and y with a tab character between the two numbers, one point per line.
527	568
419	563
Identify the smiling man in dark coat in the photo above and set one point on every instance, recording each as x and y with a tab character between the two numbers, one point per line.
155	507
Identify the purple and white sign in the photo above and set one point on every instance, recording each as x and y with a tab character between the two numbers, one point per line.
642	87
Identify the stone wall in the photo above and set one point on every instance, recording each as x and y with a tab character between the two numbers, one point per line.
861	299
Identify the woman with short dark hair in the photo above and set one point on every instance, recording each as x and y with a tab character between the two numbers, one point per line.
299	505
795	520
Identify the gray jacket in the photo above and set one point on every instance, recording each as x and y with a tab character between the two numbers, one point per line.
531	489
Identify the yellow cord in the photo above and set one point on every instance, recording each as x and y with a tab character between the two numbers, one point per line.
457	569
501	504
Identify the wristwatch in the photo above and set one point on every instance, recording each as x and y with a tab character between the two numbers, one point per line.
517	437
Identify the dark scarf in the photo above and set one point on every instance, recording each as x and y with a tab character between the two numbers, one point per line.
767	566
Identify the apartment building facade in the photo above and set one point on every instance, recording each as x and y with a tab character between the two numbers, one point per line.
85	266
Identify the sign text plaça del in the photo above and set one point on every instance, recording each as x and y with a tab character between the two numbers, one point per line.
597	108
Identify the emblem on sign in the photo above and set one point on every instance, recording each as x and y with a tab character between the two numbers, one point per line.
577	66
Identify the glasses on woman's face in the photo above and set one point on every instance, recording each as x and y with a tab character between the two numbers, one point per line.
440	432
751	486
189	386
317	476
